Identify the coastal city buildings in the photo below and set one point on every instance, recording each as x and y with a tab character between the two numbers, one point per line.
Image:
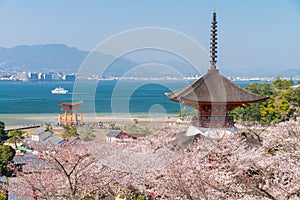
33	76
58	76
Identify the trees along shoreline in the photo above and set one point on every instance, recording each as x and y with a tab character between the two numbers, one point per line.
283	104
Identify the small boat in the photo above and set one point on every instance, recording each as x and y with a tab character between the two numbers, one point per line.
59	90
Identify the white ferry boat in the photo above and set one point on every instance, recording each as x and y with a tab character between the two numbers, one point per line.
59	90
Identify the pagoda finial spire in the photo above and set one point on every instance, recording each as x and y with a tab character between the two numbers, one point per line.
213	43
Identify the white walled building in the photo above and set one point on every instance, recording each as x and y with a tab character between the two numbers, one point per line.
40	135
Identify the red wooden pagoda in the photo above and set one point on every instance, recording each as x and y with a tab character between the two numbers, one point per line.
213	94
71	119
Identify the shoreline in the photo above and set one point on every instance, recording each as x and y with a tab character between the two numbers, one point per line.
19	120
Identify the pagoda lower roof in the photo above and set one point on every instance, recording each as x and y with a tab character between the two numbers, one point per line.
214	88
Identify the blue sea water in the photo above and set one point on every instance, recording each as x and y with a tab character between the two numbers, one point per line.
110	96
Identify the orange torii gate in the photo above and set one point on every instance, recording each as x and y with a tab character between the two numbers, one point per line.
74	106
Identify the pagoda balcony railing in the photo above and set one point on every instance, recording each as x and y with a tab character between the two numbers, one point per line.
213	121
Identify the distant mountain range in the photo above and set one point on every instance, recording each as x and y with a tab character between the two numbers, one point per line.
40	58
61	58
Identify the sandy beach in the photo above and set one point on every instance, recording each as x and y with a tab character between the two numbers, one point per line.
21	120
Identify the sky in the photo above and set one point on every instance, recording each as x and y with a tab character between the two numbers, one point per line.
253	34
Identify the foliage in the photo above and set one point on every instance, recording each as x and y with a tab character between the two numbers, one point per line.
194	112
280	83
263	89
7	153
135	121
135	128
283	103
187	113
113	126
248	113
70	131
269	115
3	135
182	113
146	131
3	196
16	136
88	135
49	127
116	128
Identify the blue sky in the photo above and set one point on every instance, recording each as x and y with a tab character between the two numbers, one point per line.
253	34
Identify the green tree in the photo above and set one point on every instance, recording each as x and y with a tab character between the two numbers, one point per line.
146	131
135	121
193	112
182	113
16	136
270	115
249	113
283	103
3	196
3	135
253	87
49	127
292	96
263	89
7	153
238	113
252	112
280	83
288	102
296	96
70	131
88	135
134	128
291	82
283	108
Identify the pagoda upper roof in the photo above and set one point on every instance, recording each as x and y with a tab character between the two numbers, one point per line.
214	88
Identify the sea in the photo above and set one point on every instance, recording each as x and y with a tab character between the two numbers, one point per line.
105	96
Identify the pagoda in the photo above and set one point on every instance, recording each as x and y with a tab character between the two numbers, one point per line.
213	95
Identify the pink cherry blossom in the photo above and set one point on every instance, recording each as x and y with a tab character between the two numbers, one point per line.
171	166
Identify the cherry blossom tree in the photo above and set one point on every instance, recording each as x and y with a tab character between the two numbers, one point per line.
229	168
67	171
169	165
